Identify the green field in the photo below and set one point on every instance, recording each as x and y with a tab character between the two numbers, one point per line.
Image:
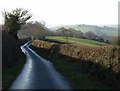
76	41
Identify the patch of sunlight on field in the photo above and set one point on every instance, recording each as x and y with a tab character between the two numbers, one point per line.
76	41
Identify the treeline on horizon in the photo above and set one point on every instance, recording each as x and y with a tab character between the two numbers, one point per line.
39	30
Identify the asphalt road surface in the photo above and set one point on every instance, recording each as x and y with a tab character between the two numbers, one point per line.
38	73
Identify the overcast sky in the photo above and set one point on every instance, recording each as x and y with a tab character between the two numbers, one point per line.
67	12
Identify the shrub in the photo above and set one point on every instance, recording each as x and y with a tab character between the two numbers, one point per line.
10	50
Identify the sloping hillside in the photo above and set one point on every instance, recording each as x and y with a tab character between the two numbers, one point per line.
101	31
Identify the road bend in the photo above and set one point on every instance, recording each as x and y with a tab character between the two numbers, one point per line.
38	73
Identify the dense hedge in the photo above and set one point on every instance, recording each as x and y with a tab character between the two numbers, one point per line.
107	56
10	50
43	44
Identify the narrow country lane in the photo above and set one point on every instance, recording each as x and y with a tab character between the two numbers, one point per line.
38	73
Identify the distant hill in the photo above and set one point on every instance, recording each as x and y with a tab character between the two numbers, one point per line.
106	31
114	26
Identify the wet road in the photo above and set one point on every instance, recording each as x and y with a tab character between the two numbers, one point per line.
38	73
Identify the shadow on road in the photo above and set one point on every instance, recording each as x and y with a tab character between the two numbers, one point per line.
105	75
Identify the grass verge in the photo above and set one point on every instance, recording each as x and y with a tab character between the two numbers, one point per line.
10	74
72	72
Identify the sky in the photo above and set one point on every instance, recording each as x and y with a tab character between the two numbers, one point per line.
66	12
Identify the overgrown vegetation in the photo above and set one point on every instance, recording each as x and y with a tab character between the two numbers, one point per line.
10	50
12	60
101	62
12	57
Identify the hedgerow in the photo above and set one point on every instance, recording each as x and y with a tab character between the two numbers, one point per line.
101	61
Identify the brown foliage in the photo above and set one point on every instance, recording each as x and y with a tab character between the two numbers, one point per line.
107	56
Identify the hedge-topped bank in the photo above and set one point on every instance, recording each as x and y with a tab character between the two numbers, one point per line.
10	50
101	62
43	44
108	56
13	60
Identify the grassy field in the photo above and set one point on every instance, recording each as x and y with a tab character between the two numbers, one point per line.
10	74
76	40
72	72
